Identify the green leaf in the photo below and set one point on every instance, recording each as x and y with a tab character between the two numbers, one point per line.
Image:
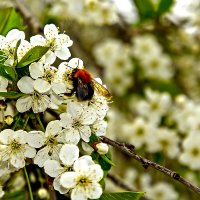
145	9
11	95
8	72
9	19
104	164
93	139
122	196
32	55
106	159
165	86
24	71
164	6
19	195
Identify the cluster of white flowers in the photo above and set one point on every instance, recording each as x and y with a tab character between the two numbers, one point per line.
164	126
160	190
114	56
86	11
154	63
56	147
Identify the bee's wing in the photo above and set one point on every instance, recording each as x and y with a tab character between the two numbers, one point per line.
101	89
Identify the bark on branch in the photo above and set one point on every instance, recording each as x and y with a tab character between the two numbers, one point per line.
129	150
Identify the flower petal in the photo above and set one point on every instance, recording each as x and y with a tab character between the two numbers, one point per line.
50	31
88	116
35	139
79	193
6	135
30	152
76	63
49	57
53	168
95	173
72	136
59	87
75	109
20	136
62	53
68	154
36	70
24	103
99	127
53	128
64	40
15	34
37	40
57	186
25	85
23	48
3	84
40	104
85	133
41	85
41	157
66	120
69	179
17	160
83	163
94	190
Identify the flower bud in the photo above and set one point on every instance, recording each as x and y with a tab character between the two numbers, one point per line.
102	148
8	119
43	193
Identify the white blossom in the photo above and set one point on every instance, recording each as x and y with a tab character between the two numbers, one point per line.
156	105
50	142
191	151
8	44
58	43
14	147
162	191
69	153
163	139
46	74
84	180
77	121
137	132
37	95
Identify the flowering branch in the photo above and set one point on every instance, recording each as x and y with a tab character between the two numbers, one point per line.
129	150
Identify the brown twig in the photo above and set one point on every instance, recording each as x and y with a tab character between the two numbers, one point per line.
147	163
119	182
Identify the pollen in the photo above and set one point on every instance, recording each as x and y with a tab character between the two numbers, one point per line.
51	141
49	74
15	146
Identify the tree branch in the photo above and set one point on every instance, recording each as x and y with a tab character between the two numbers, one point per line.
119	182
128	150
